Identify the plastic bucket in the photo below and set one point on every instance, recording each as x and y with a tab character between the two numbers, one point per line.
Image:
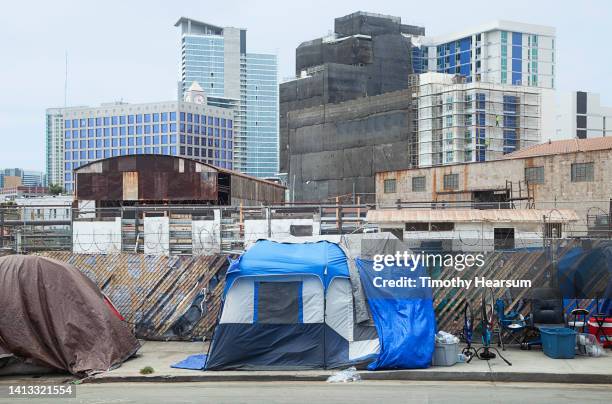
445	354
559	343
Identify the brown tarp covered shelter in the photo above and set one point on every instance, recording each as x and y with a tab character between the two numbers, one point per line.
53	315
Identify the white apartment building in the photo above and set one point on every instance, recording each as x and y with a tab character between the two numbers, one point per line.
460	121
580	115
502	52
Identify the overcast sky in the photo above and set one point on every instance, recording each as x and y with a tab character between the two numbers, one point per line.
129	50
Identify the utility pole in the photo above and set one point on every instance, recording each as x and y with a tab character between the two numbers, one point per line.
609	221
1	227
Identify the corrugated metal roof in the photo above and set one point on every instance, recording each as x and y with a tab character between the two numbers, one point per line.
563	147
84	167
470	215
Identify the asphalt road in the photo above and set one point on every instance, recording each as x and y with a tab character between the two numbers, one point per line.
377	392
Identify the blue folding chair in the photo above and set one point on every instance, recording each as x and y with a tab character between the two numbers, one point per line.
512	324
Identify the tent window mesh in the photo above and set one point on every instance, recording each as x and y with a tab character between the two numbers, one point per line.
278	302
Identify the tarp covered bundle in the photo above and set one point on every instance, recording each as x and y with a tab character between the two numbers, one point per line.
53	315
293	306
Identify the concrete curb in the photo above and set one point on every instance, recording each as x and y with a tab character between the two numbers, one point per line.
414	375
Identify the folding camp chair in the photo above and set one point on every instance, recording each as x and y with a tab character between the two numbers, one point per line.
511	324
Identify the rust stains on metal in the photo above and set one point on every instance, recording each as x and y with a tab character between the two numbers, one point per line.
149	177
130	186
466	171
434	186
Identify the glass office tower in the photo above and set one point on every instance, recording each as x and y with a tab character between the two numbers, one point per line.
261	116
217	59
188	129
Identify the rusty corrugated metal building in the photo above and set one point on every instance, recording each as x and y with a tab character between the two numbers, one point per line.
160	179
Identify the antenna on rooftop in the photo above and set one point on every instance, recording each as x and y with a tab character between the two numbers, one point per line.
66	83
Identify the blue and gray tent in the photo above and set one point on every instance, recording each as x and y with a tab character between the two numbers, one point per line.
302	306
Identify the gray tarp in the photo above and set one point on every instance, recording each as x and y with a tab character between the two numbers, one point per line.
365	246
53	315
362	313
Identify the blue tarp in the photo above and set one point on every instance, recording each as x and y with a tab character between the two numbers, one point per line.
404	316
323	259
193	362
586	273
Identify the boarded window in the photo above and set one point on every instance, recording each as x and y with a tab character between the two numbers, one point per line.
418	184
389	186
300	230
130	186
278	302
451	181
534	175
582	172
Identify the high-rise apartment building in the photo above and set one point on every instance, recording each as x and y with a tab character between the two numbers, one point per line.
190	128
470	96
580	115
492	92
217	58
54	145
461	122
501	52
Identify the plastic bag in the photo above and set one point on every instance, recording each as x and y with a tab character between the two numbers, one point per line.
444	337
588	346
345	376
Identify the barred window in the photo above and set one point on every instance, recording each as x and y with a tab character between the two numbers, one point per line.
417	226
451	181
418	184
534	175
553	230
443	226
582	172
389	186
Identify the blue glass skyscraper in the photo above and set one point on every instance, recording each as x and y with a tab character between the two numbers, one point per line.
217	59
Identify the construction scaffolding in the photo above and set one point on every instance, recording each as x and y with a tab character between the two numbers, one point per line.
460	122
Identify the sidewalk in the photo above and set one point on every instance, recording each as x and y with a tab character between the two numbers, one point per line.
527	366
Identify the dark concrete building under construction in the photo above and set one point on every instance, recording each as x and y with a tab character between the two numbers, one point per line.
348	113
